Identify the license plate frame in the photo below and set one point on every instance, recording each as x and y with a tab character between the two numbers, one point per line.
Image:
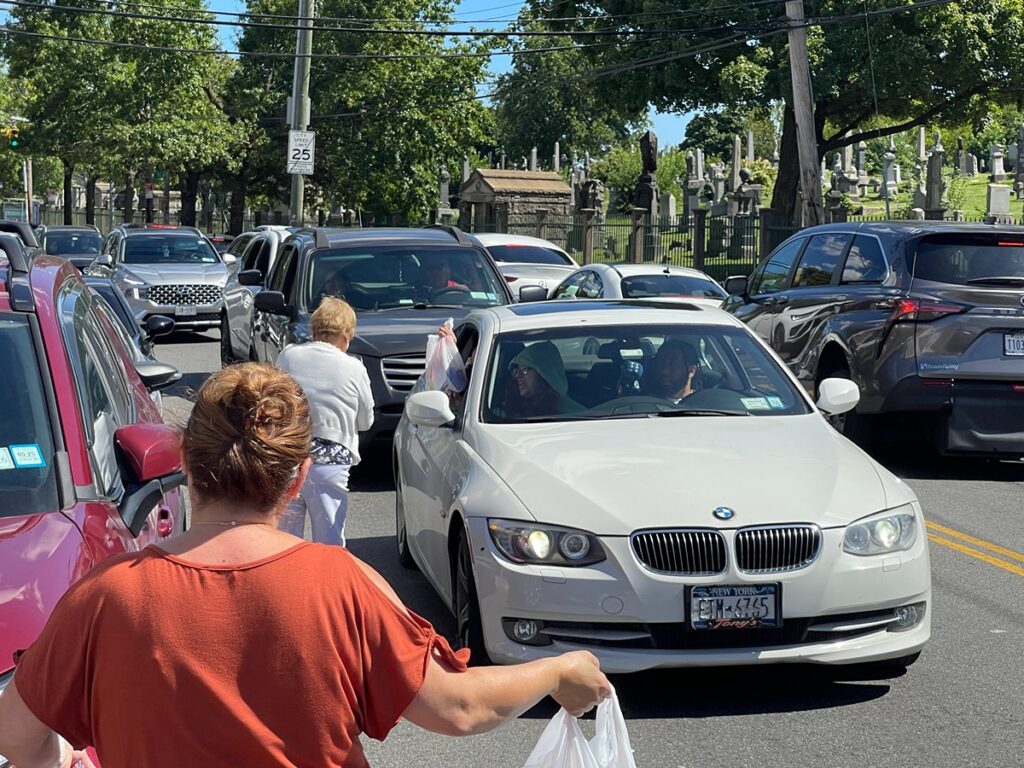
185	310
704	617
1013	344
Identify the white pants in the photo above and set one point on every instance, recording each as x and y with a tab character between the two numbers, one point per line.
324	496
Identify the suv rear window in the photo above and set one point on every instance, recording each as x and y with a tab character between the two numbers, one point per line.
528	254
72	244
28	481
969	259
403	276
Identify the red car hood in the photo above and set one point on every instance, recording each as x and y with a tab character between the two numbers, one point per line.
40	557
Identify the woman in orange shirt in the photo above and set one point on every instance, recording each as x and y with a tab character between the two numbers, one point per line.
239	644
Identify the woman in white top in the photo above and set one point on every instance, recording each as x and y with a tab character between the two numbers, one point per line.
341	406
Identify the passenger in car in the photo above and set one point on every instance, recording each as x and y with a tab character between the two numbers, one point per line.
540	384
435	275
675	371
283	652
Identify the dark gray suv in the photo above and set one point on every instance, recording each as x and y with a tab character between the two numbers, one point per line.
926	317
402	283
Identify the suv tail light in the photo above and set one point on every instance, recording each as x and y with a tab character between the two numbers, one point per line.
924	310
510	278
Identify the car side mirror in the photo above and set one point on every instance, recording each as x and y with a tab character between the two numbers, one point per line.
151	464
836	396
429	409
736	285
158	325
532	293
157	376
103	260
251	277
229	258
271	302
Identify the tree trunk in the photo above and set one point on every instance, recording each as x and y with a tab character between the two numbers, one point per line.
236	220
189	193
129	197
787	183
90	200
69	192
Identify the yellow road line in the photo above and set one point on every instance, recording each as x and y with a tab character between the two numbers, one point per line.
983	556
976	542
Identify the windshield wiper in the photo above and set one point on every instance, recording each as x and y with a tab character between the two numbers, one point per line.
703	412
1006	280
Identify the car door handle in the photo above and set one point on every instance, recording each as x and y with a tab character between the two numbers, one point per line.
885	304
781	301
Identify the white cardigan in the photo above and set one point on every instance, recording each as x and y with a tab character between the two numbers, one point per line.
338	390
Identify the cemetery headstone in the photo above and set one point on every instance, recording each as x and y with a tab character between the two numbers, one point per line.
972	165
921	151
556	159
465	169
996	170
533	159
935	186
999	205
750	146
667	209
734	171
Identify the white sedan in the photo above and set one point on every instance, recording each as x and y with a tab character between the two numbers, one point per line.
651	483
525	261
641	281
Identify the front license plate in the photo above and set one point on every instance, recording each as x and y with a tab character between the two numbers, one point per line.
746	606
1013	344
185	311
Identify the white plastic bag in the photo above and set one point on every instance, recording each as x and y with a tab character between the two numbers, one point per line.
445	370
563	745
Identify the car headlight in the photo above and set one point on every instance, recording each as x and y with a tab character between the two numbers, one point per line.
134	288
538	544
892	531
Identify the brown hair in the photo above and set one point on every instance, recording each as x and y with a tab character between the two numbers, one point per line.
249	430
332	317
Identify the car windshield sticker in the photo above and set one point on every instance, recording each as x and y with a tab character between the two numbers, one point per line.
755	403
27	456
776	402
6	462
477	295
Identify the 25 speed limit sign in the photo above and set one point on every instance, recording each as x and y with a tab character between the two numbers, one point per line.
301	147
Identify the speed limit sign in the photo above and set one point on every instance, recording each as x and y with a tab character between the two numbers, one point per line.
301	146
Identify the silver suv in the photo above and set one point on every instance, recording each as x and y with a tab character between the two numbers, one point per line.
163	270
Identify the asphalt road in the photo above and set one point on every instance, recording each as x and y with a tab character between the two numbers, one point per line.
960	705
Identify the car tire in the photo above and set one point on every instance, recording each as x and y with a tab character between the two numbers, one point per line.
469	631
227	356
851	425
404	555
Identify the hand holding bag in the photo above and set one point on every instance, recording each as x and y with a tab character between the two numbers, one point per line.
563	745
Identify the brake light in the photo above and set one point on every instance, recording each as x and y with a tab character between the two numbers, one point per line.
924	310
510	278
1010	245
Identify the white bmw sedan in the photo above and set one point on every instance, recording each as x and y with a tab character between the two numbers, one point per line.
649	482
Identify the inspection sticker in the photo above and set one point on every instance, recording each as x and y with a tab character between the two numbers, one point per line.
755	403
6	462
776	402
27	456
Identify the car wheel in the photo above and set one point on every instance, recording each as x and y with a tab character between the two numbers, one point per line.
469	628
851	424
404	555
227	357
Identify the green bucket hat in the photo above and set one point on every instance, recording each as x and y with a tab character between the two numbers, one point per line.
544	358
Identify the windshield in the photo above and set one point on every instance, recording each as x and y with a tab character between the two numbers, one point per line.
169	249
646	286
28	483
528	254
636	371
968	259
68	244
396	276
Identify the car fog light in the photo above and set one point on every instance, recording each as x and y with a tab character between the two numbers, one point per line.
538	544
857	539
574	546
908	617
525	631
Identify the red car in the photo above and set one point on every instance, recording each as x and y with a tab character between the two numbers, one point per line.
87	468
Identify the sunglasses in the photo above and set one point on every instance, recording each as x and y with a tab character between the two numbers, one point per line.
519	370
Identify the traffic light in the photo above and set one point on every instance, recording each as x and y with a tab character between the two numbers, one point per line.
11	134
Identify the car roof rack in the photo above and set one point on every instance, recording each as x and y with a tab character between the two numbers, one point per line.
319	235
17	281
454	231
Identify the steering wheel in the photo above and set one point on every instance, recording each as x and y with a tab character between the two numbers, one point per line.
459	290
632	404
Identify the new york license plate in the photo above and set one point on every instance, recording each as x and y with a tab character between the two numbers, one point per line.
1013	344
185	311
740	606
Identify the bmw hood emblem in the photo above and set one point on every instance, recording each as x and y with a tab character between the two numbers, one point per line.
724	513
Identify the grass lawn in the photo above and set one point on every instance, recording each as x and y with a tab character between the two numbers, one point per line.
975	204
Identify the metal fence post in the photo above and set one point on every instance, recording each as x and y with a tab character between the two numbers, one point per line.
700	216
589	225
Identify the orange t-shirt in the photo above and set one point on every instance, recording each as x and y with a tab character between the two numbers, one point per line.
156	661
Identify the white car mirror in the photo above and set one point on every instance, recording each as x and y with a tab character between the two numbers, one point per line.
229	258
429	409
836	396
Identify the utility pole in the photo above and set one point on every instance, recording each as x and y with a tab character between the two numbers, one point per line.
803	114
299	118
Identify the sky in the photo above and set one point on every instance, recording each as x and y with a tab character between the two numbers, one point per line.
669	128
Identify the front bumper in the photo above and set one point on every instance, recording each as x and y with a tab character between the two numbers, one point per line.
838	610
184	316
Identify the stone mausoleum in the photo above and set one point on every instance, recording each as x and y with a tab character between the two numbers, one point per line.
490	197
